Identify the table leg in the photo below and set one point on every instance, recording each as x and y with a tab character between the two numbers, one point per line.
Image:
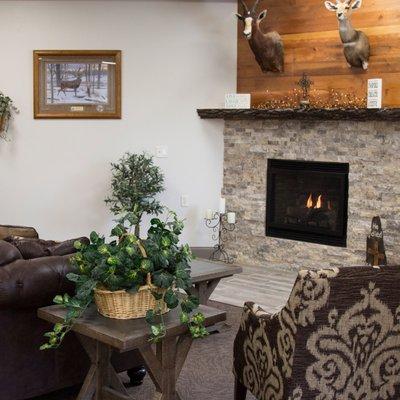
203	290
102	381
165	364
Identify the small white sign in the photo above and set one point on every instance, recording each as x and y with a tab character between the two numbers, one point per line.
77	108
237	100
374	93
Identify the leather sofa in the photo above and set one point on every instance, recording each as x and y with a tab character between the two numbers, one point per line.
26	284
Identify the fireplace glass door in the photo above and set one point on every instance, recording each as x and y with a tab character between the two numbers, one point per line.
307	201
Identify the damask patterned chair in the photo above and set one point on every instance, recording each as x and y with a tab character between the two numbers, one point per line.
337	338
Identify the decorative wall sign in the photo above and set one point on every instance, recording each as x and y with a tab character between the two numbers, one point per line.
77	83
237	100
374	93
376	255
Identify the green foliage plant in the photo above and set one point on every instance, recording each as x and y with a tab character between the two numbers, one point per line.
6	110
135	183
123	264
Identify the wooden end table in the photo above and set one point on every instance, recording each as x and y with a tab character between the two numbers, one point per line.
206	276
100	335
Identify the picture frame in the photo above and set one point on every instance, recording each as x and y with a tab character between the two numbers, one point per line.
77	84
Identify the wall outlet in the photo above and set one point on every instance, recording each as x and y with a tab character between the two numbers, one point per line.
184	200
162	151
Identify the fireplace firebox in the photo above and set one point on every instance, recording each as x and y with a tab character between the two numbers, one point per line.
307	201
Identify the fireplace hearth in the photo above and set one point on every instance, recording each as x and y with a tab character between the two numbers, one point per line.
307	201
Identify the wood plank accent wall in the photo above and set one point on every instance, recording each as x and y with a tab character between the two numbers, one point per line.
312	45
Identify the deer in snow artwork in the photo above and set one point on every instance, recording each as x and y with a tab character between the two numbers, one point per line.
356	43
74	84
267	47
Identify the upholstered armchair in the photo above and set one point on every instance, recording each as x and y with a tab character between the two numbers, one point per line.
338	337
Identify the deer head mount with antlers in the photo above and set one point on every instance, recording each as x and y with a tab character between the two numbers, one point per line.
267	47
356	43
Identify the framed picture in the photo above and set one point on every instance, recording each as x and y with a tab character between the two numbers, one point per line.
77	83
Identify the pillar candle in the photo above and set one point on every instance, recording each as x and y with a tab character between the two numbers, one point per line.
222	204
231	218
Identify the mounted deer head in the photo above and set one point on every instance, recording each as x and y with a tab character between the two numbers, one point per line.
267	47
343	9
356	43
249	16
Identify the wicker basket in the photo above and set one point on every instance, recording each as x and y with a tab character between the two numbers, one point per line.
123	305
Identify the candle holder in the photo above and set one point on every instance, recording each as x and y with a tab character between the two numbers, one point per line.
221	227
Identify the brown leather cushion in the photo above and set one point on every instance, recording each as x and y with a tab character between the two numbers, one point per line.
66	247
36	248
8	253
31	248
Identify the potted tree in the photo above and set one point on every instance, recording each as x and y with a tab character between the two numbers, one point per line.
135	183
129	277
6	109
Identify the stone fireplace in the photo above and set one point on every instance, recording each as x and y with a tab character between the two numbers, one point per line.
307	201
306	191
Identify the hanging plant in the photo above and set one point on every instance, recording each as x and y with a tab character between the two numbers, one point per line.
6	110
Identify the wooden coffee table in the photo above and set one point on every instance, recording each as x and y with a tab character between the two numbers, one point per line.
206	276
100	335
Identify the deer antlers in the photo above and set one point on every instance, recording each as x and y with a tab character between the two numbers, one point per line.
244	6
254	8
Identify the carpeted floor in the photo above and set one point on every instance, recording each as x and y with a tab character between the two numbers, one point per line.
207	373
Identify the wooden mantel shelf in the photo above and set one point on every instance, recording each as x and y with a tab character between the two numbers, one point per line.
385	114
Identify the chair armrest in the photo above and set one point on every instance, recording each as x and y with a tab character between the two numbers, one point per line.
257	362
30	284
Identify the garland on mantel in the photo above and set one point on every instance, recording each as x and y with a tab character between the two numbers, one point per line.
334	99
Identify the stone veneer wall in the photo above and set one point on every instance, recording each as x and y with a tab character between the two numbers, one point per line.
371	148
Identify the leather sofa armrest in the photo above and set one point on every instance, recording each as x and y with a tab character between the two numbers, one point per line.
21	231
30	284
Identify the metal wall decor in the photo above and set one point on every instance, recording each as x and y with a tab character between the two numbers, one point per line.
305	84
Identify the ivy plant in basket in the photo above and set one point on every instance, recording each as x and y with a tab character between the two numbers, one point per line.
130	278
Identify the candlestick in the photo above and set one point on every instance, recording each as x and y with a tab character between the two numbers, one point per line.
209	214
231	217
221	224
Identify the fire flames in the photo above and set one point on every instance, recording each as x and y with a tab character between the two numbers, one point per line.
319	203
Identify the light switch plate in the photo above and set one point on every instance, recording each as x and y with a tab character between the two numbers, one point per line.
162	151
184	200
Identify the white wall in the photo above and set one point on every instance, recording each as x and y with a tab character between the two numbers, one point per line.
177	56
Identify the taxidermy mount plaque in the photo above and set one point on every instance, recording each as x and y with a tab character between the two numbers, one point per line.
267	47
